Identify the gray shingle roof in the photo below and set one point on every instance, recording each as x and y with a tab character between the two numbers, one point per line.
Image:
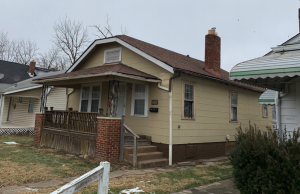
13	72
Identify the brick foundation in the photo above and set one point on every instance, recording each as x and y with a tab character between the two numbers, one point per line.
183	152
108	139
39	119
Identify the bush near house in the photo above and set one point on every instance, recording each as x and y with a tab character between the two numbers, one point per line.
263	163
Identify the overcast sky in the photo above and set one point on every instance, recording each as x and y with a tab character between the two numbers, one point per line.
247	28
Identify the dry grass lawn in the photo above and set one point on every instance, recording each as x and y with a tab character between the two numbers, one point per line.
23	163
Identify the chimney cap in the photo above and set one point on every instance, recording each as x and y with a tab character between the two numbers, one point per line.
213	31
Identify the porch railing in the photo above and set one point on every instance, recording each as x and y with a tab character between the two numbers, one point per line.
71	121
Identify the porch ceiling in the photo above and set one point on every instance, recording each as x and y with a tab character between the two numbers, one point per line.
102	73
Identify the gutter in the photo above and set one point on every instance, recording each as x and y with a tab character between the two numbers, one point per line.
170	118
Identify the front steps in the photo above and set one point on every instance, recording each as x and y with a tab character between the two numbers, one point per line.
147	154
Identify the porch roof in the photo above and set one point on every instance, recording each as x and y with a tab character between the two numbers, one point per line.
117	69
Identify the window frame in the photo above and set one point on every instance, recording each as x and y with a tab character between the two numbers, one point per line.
133	101
183	99
108	50
263	115
32	103
237	105
90	95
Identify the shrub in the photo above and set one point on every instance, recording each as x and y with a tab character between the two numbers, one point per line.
264	163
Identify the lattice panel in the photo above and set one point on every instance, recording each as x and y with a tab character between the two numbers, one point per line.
17	131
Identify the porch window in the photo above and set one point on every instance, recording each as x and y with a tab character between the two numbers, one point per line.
265	111
188	111
233	106
90	98
30	105
139	100
112	55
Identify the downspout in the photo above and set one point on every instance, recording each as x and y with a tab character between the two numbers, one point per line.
1	108
170	118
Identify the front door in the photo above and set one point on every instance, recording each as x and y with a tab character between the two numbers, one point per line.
121	100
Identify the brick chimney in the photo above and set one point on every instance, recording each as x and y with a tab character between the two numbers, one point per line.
213	53
31	68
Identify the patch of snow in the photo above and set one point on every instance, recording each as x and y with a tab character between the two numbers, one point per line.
30	189
135	190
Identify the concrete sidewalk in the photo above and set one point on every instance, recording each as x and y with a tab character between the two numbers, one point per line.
221	187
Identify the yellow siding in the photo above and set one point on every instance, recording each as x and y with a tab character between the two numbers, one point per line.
212	112
155	125
129	58
19	112
74	99
57	98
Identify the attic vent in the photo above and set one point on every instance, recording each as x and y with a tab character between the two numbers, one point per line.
112	55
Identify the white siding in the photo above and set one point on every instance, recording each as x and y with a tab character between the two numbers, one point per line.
57	98
290	108
19	112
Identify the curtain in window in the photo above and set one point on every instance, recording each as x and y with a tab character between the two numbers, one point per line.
30	105
233	107
188	101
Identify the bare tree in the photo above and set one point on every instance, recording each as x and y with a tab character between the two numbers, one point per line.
53	60
23	51
71	38
106	31
20	51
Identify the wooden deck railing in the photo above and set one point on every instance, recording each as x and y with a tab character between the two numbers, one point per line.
71	120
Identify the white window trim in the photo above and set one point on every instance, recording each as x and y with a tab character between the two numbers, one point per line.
90	95
263	113
146	101
237	104
114	49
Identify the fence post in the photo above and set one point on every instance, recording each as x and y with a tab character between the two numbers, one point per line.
104	180
134	152
122	138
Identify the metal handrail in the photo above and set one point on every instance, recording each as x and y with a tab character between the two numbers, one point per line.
130	131
135	143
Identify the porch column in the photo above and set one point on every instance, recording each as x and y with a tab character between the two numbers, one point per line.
39	121
108	139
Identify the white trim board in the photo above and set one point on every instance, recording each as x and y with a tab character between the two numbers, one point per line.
23	89
125	44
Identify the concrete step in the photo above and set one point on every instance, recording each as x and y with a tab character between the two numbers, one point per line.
141	142
141	149
153	163
144	156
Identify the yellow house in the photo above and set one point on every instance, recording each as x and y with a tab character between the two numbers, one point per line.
188	107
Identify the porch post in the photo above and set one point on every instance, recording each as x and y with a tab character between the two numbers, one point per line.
39	122
2	100
108	139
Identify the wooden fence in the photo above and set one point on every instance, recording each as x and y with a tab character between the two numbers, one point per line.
71	131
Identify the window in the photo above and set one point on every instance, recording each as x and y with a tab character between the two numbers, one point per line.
20	100
265	110
233	107
188	110
90	98
30	105
112	55
139	100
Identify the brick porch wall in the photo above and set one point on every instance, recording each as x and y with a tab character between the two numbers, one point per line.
39	119
201	150
108	139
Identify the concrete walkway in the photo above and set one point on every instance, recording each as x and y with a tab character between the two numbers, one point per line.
221	187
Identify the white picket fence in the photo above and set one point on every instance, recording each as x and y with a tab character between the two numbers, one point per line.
100	173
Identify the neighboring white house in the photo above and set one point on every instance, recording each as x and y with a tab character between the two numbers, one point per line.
21	101
279	70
